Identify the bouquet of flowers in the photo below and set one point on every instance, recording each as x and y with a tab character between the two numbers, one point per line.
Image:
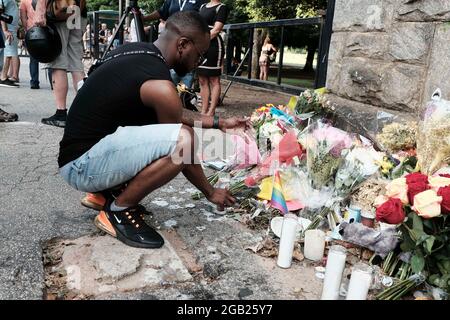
425	202
433	139
398	136
326	148
359	164
313	103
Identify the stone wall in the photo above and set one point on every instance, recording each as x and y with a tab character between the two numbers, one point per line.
389	54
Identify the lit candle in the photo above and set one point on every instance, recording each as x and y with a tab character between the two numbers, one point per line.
314	244
360	282
287	239
333	272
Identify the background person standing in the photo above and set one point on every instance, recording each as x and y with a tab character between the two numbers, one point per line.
215	14
168	8
11	52
69	61
5	116
27	11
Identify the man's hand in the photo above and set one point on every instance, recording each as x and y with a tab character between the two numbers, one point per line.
235	124
222	198
39	20
39	15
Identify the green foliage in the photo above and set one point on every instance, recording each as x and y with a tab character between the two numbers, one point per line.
428	241
264	10
94	5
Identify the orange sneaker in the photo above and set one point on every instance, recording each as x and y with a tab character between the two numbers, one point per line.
94	201
102	222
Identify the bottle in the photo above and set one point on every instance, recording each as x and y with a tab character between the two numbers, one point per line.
333	272
287	240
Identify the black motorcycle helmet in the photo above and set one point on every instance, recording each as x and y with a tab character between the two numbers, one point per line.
43	43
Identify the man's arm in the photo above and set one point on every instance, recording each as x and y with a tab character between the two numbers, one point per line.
23	15
163	98
152	16
39	16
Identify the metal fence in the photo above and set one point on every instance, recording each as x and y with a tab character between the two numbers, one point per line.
325	25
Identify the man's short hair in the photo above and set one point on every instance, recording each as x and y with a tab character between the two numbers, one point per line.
187	23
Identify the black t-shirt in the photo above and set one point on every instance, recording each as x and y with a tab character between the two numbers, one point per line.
110	98
170	7
217	13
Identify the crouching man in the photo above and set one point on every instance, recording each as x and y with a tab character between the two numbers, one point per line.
127	125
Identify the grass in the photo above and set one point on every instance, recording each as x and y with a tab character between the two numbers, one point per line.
304	83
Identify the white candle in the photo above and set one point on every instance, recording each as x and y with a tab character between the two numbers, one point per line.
333	272
314	244
360	282
287	239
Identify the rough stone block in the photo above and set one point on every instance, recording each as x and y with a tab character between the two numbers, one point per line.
438	74
362	15
411	42
402	87
424	10
394	86
361	79
369	45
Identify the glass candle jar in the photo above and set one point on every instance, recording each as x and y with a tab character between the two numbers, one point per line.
360	282
287	240
333	272
314	244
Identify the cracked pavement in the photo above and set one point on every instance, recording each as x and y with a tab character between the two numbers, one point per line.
36	206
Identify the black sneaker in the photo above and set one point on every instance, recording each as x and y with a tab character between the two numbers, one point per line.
57	120
129	227
34	86
8	83
8	117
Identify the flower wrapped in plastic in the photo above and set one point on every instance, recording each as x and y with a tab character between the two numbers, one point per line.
326	148
433	138
359	164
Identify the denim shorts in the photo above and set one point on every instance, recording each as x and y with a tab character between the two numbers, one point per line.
11	49
120	156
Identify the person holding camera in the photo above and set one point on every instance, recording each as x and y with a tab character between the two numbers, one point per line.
268	52
127	126
5	116
10	52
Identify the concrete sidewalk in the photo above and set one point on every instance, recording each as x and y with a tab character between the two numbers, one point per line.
42	221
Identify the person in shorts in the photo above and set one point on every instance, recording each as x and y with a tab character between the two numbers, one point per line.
69	61
10	52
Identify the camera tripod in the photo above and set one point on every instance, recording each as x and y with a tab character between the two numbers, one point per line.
133	8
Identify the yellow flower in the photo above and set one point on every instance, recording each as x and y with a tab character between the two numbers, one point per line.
398	189
427	204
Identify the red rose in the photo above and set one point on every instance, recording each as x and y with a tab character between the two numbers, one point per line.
391	212
415	188
445	175
416	177
444	192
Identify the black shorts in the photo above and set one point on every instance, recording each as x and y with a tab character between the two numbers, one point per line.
214	56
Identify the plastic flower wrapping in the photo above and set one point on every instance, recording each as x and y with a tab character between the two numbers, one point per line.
326	147
433	139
